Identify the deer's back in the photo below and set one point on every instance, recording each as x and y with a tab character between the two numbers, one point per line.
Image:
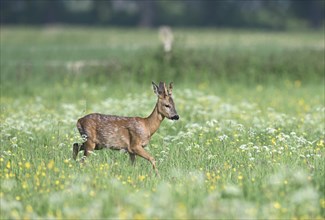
112	131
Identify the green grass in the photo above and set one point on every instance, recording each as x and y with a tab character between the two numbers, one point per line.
249	144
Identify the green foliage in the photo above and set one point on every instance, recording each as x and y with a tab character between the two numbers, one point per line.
274	15
249	144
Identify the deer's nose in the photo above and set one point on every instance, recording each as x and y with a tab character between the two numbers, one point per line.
175	117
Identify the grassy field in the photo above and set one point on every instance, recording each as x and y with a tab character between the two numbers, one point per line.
249	142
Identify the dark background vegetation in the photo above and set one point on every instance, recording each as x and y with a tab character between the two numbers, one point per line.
274	14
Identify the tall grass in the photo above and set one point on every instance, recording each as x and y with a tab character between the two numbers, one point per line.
250	142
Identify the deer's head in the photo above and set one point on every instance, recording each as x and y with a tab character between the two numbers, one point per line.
165	104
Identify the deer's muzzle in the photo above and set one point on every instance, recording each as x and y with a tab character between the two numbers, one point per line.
175	117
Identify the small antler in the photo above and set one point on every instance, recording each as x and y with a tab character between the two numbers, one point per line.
170	89
162	89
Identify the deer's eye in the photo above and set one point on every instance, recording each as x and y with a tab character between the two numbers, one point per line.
167	106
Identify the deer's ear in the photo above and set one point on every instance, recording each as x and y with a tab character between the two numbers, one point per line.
155	88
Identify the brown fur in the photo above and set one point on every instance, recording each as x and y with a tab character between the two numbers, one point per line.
126	133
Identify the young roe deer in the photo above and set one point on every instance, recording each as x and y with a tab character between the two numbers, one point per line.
131	134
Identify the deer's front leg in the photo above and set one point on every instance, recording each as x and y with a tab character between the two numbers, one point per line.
138	150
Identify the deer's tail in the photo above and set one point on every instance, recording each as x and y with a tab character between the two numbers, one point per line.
81	130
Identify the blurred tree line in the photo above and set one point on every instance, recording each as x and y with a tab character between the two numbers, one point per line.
272	14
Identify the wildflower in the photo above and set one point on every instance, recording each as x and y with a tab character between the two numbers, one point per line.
29	209
321	143
277	205
223	137
24	185
243	147
141	177
212	188
8	165
139	216
273	141
27	165
270	130
50	165
92	193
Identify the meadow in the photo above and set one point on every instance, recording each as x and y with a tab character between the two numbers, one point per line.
249	143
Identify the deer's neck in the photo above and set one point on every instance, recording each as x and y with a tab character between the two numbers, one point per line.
153	120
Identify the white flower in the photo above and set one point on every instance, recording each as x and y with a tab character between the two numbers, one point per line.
243	147
211	123
270	130
223	137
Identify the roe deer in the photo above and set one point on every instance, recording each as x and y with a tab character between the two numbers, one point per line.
131	134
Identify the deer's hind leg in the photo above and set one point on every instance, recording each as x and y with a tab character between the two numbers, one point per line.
89	146
76	148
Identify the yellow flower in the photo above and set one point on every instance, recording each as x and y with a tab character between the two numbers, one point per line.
276	205
29	209
27	165
240	177
24	185
321	143
92	193
8	165
212	188
139	216
50	165
141	177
